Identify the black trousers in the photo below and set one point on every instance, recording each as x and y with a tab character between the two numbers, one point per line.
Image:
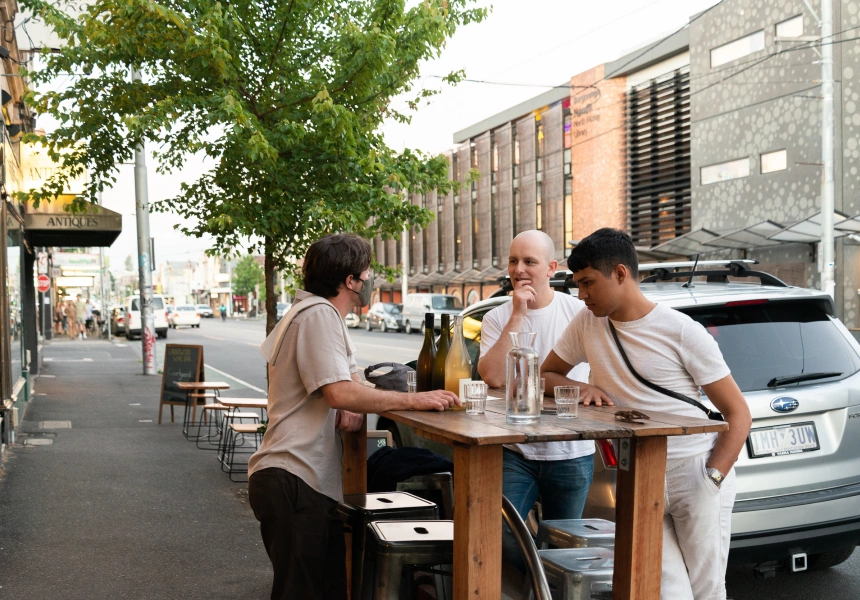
303	536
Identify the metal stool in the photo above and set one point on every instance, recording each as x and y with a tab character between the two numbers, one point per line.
575	571
430	487
359	510
394	545
576	533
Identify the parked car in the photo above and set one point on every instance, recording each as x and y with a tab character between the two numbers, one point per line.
417	305
117	320
183	314
352	320
132	311
282	308
205	311
387	316
798	479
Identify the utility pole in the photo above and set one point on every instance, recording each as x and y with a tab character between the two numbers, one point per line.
404	252
828	283
104	312
141	196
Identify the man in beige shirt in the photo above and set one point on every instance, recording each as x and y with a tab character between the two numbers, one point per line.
295	477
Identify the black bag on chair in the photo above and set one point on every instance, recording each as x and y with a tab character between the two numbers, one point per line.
388	466
394	380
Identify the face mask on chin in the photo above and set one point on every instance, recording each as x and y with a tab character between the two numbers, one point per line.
366	291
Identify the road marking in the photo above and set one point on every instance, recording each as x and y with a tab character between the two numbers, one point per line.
212	337
145	421
135	404
236	379
48	376
66	360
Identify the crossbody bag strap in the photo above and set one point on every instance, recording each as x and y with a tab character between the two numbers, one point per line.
712	414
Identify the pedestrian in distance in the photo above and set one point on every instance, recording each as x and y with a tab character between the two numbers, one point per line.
671	351
223	310
295	477
558	472
81	317
59	318
71	320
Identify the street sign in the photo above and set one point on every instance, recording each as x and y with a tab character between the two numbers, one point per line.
44	283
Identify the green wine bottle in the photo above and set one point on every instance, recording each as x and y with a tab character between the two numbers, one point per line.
427	357
442	354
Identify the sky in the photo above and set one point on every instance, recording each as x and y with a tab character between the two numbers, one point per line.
523	48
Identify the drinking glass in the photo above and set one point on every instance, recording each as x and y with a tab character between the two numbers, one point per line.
476	398
411	382
566	401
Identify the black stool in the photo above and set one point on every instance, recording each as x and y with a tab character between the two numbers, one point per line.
357	511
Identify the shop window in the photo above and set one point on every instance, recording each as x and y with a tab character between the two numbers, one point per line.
774	161
734	169
739	48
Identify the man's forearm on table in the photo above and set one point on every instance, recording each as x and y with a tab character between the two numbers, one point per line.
356	397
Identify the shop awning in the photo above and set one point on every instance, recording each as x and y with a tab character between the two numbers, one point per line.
51	225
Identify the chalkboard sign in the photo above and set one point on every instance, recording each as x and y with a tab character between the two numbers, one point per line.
181	364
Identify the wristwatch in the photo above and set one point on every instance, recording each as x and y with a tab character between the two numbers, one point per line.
715	475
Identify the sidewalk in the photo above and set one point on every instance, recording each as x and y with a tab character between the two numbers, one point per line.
118	506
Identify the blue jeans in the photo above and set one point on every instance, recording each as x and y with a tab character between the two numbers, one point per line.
562	486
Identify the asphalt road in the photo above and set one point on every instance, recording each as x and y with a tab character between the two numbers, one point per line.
230	351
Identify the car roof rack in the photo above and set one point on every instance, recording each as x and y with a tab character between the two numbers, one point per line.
735	268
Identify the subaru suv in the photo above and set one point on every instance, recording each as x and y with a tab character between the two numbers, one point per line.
798	479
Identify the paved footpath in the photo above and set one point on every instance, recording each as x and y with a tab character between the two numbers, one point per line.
118	506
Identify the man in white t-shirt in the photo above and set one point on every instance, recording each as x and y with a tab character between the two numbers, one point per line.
559	471
670	350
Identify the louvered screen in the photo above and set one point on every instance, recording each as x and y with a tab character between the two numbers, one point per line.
658	174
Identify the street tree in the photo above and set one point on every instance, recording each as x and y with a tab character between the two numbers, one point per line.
282	99
247	275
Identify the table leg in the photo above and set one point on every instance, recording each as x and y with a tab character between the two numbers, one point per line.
354	481
477	521
639	520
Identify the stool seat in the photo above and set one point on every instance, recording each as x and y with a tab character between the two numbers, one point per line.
215	407
576	533
245	427
575	571
395	546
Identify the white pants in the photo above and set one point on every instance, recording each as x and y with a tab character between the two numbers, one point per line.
697	520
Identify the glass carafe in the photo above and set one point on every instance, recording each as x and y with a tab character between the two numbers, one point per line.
522	389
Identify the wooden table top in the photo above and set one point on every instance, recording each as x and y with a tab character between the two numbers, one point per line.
203	385
244	402
593	423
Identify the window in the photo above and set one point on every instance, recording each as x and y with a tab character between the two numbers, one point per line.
446	303
735	169
737	49
774	161
790	28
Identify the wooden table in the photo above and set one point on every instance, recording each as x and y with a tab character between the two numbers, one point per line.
478	441
194	390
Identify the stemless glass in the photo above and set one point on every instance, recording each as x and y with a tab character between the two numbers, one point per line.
411	382
567	401
476	397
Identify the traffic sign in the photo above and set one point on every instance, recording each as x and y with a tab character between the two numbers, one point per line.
44	283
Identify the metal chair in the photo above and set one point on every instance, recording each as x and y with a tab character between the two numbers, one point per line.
576	533
234	432
357	511
394	546
576	571
539	585
431	487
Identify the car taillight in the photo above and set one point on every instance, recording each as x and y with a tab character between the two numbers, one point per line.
175	315
119	320
607	450
747	302
197	315
165	314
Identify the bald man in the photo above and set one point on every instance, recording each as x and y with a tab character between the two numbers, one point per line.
560	472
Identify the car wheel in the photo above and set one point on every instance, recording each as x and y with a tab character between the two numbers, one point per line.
825	560
367	324
408	328
383	328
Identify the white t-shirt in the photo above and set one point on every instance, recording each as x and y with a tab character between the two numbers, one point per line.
549	323
667	348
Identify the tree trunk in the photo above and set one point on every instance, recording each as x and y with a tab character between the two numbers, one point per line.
271	298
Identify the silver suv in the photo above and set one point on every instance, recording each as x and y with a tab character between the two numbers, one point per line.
798	479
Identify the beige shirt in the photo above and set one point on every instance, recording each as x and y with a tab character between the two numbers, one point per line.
308	349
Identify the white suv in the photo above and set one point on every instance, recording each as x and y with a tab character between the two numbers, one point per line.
132	311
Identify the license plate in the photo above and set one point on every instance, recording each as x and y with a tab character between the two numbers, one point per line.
781	440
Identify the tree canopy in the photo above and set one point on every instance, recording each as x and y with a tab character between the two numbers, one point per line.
247	275
283	98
